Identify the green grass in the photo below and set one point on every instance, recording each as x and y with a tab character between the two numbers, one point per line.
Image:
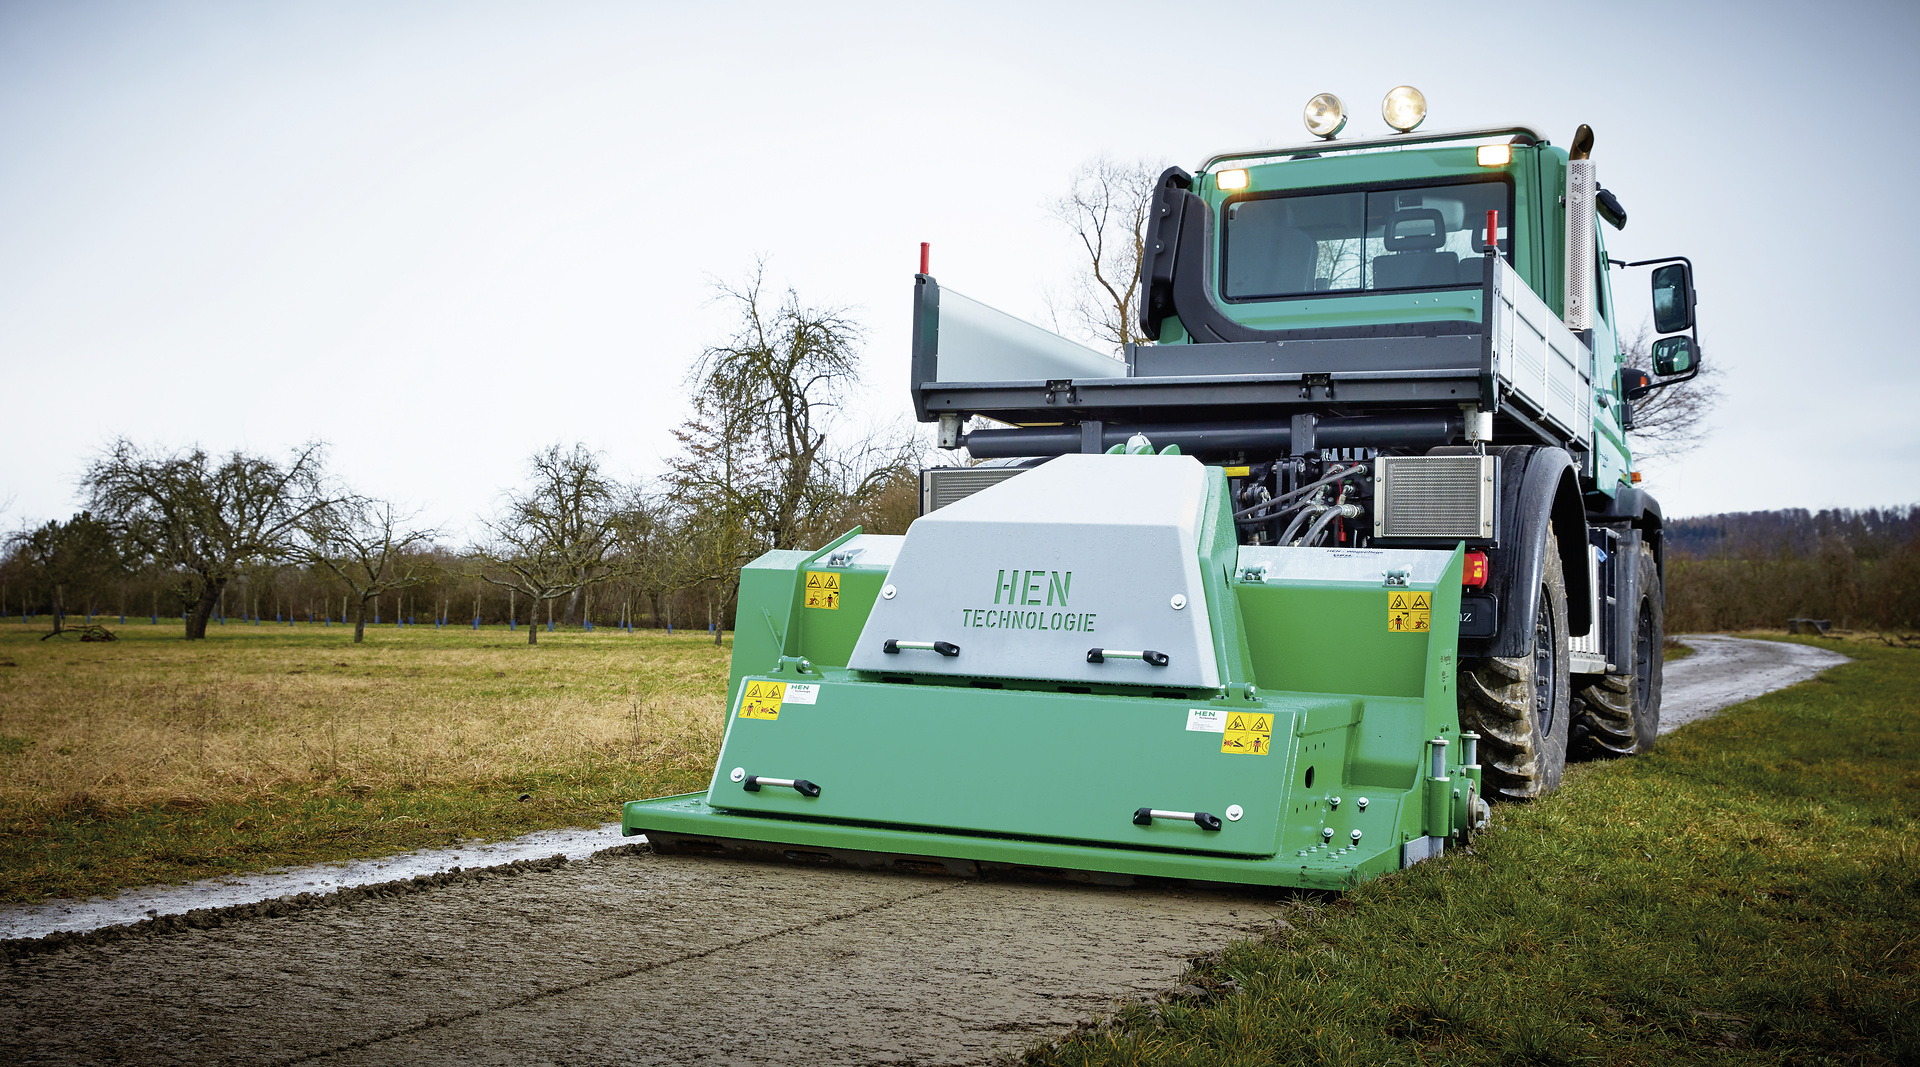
154	760
1749	893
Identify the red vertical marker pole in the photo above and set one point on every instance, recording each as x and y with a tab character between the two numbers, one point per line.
926	255
1493	234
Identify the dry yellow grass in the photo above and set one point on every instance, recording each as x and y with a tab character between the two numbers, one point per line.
259	715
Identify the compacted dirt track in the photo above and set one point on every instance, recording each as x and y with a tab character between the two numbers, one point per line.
624	958
629	957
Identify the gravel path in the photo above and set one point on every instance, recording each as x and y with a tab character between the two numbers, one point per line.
624	958
628	957
1724	671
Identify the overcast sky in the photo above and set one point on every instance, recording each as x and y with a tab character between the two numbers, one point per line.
440	236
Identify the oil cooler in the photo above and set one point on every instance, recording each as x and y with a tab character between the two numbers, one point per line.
1434	497
940	486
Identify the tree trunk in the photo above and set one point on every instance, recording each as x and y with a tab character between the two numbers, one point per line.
533	622
360	623
203	610
59	612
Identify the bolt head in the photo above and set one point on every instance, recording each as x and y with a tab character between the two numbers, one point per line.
1179	601
1234	812
739	774
888	592
1356	837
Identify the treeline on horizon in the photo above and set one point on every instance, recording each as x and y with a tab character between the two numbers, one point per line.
766	461
1857	568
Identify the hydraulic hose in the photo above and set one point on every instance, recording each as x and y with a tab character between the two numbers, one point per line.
1268	505
1338	511
1309	511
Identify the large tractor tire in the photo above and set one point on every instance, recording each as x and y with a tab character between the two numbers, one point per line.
1520	705
1619	715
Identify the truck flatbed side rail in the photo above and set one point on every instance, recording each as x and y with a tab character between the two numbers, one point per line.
1520	360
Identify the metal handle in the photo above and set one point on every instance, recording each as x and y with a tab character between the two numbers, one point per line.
1145	817
799	785
894	646
1152	658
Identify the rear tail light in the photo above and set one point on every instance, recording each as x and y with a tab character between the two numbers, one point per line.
1474	574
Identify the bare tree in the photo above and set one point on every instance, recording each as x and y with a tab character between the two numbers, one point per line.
650	541
878	481
68	556
772	391
556	537
369	548
720	488
1106	206
205	519
1670	421
755	471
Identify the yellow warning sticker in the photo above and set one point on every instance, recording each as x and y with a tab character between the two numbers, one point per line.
1409	612
761	700
1247	734
823	589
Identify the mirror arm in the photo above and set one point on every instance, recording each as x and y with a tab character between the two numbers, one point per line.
1654	262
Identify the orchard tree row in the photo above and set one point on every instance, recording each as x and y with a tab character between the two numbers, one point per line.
188	533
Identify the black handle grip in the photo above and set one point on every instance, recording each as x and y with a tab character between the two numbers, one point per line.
1147	656
893	646
753	782
1145	817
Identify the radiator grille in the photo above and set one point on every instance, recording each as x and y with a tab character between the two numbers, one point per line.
1434	496
945	485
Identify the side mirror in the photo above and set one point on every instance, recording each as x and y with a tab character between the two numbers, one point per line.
1674	355
1635	383
1672	298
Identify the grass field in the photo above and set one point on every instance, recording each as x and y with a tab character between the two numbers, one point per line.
151	759
1747	894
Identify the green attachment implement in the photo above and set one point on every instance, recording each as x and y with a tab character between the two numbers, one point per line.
1077	673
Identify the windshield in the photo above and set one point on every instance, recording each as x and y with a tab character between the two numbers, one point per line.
1365	239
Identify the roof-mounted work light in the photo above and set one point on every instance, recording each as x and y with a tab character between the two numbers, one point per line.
1325	116
1404	108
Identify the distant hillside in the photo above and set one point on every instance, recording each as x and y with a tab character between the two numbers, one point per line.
1757	569
1867	532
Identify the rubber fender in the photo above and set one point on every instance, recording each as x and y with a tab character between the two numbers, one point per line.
1539	491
